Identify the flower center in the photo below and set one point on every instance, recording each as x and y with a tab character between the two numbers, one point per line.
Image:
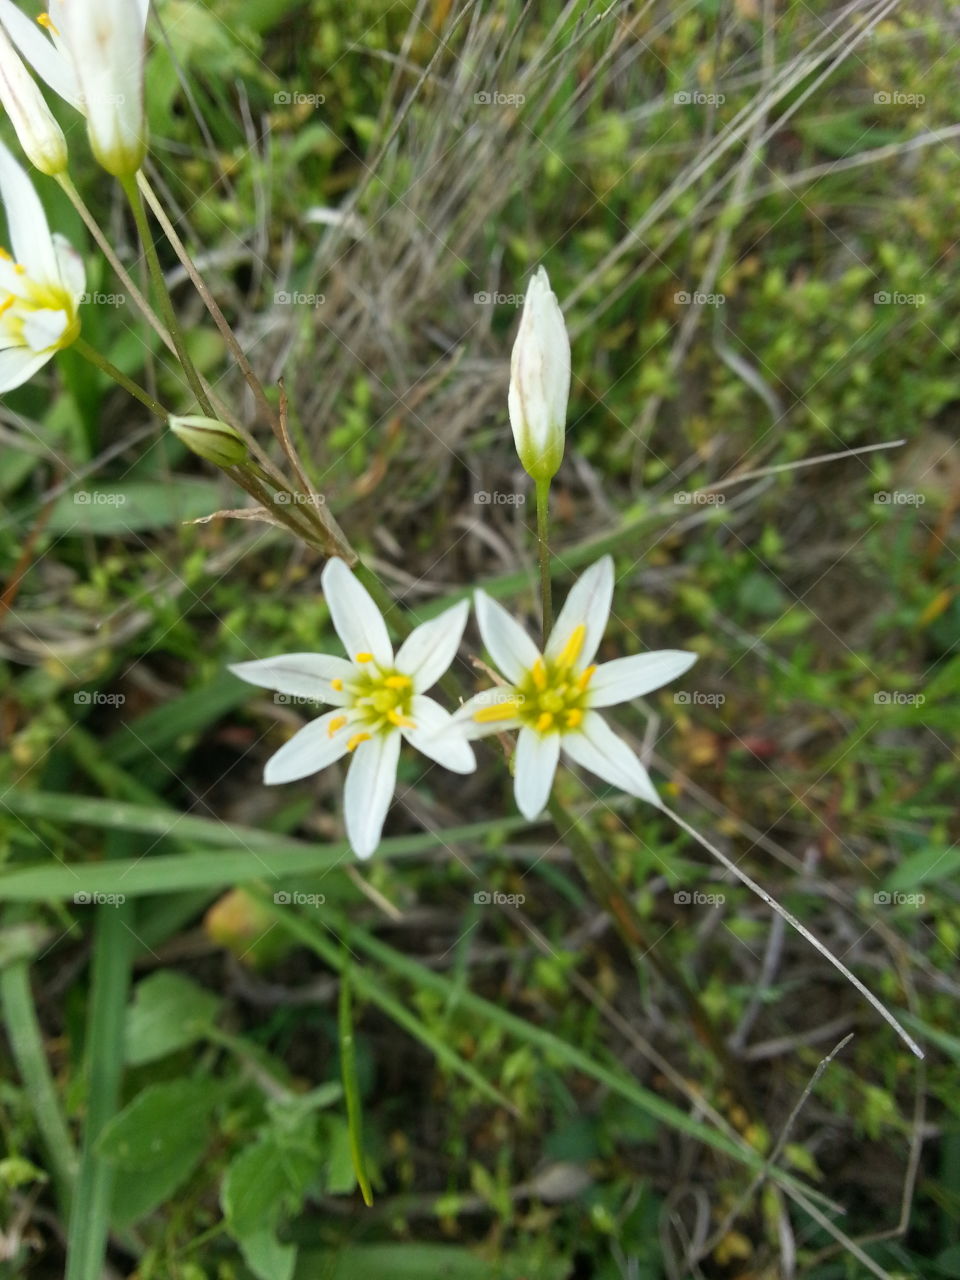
381	699
22	298
551	697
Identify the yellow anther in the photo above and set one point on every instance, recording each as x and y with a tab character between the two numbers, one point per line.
574	716
364	657
46	21
571	650
356	740
337	684
538	674
586	676
336	723
398	682
401	721
20	269
7	303
5	255
504	710
544	722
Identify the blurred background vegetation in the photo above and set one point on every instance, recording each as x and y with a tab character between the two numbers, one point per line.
367	189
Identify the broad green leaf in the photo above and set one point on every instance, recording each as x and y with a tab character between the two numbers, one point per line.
168	1013
160	1122
266	1257
96	507
926	866
265	1181
138	1192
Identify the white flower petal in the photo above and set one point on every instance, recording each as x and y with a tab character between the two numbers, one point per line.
17	365
310	749
439	737
48	62
70	266
597	748
29	233
428	651
371	781
587	605
463	716
536	765
43	329
632	677
106	46
301	675
507	643
358	621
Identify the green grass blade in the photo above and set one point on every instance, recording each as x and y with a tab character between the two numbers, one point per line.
351	1088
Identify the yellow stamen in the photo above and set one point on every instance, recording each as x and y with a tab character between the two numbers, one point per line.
504	710
356	740
364	657
337	684
574	716
7	303
397	682
401	721
46	21
20	269
544	722
571	650
586	676
336	723
538	673
5	255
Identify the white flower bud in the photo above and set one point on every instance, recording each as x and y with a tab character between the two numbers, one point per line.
540	381
38	132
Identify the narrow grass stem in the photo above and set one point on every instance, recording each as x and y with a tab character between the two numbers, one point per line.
89	353
132	192
543	551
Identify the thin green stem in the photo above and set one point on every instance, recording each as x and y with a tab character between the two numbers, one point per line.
543	551
26	1041
110	980
132	192
89	353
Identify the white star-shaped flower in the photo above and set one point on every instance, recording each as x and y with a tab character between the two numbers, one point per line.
378	701
554	697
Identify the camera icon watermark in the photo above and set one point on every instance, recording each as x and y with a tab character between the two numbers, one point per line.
293	98
898	498
494	98
885	298
97	498
894	898
293	298
694	898
699	498
896	98
299	499
484	299
94	898
494	898
498	498
294	898
94	698
897	698
697	698
694	98
684	299
98	299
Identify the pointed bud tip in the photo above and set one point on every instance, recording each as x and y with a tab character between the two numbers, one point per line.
210	439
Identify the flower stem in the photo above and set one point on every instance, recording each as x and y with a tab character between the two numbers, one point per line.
543	551
631	929
132	192
84	349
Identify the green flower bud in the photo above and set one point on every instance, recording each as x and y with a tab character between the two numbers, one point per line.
210	439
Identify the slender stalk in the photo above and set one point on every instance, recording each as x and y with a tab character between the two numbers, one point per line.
801	929
543	551
84	349
632	931
26	1041
351	1087
110	980
132	192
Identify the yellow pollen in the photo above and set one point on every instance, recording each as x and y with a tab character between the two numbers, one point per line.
336	723
544	722
401	721
356	740
397	682
7	303
5	255
571	650
504	710
538	674
20	269
586	676
337	684
574	716
364	657
46	21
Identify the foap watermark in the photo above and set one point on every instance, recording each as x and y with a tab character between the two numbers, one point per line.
294	898
294	98
699	498
697	299
697	698
494	898
94	698
694	98
484	299
897	98
98	498
288	298
897	698
99	299
294	700
95	898
895	298
898	498
299	499
494	98
894	898
694	898
498	498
